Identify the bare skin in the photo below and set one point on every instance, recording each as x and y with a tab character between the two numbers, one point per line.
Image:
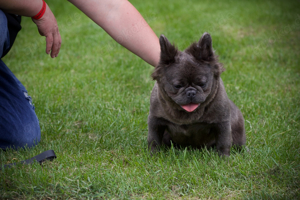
118	18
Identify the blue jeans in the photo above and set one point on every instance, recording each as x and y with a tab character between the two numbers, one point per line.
19	125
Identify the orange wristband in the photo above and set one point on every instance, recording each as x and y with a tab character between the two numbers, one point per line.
41	13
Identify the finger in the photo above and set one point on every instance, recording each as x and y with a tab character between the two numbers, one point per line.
56	44
49	43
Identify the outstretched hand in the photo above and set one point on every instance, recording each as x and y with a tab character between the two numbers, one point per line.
48	27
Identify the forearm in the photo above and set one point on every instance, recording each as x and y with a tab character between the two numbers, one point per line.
27	8
125	24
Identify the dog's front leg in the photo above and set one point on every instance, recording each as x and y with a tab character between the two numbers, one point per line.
223	138
155	134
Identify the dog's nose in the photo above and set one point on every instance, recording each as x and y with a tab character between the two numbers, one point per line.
191	93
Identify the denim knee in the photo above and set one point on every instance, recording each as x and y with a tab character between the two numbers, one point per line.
19	125
19	134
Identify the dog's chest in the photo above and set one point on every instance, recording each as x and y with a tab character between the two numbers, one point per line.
194	134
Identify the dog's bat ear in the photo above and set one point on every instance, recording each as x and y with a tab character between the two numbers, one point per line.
167	51
202	50
205	45
207	53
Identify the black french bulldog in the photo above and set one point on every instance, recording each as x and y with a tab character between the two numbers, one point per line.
189	105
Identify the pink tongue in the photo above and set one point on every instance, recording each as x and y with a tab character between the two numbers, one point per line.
190	107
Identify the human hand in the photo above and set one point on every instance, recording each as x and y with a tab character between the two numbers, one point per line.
48	27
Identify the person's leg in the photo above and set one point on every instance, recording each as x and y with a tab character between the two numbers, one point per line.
19	125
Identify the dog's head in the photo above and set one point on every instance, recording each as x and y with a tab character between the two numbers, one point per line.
187	77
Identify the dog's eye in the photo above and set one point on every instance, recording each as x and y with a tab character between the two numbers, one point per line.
178	86
201	81
202	84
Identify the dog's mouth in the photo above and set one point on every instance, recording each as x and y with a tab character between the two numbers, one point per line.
190	107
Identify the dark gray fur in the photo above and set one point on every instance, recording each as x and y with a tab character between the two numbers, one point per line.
192	76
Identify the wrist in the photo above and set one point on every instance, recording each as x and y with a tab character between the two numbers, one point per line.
42	12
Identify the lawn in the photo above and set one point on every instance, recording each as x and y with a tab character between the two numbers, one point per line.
93	101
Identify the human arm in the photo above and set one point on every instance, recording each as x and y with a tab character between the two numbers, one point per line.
47	24
123	23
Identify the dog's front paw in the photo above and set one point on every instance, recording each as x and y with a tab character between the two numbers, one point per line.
153	148
224	151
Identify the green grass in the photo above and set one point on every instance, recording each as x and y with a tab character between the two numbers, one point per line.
93	101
